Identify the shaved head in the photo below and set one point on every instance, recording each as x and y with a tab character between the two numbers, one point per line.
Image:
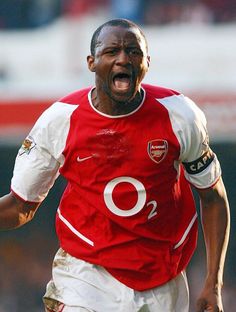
114	23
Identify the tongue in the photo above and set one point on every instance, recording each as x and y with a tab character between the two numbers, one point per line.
122	83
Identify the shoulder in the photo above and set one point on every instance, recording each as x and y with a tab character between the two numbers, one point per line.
177	104
62	109
159	92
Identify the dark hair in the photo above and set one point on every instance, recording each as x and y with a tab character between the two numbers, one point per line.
114	22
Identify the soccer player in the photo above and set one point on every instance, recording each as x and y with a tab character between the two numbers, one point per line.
127	222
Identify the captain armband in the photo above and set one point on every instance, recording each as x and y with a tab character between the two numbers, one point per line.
199	164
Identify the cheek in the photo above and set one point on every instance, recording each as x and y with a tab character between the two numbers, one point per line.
142	71
103	69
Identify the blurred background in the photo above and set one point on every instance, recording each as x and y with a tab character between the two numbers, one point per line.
43	49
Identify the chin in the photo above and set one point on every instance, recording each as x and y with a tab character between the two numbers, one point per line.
122	98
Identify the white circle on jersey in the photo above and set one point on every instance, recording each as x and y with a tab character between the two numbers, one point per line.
112	206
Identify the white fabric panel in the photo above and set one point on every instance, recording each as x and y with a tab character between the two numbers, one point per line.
190	127
37	168
206	178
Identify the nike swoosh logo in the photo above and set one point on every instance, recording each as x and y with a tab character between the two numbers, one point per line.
83	159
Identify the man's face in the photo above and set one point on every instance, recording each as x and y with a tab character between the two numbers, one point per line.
120	62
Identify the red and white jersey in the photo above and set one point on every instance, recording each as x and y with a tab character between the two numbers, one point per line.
128	205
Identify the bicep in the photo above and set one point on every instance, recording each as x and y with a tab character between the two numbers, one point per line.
202	168
41	155
34	173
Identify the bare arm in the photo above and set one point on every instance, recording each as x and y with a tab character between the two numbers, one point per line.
216	224
14	212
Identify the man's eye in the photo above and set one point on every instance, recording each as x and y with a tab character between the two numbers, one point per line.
135	52
110	52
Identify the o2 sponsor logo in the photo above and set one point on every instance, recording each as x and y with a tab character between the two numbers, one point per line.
138	206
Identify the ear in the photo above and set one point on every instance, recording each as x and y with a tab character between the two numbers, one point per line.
90	62
148	61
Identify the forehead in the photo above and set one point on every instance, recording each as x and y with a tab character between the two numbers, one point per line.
118	35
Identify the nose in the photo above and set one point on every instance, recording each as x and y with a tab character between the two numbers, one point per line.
122	58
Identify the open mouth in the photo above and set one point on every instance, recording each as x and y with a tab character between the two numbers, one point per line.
122	81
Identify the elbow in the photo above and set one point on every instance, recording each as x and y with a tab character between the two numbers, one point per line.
24	218
15	221
14	212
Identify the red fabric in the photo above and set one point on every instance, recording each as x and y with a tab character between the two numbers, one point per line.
138	248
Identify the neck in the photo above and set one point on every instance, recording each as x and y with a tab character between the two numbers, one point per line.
109	106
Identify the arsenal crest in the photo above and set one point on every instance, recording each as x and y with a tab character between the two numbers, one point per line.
157	150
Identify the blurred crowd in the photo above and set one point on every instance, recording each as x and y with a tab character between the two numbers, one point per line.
25	269
20	14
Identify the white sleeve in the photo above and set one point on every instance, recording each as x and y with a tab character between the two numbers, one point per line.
202	168
40	156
